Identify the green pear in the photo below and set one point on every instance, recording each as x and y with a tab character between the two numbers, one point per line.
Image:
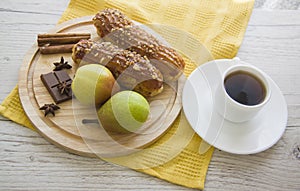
93	84
124	112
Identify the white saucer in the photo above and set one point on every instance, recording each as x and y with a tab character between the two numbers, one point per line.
253	136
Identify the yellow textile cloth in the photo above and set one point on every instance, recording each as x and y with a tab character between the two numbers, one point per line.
219	25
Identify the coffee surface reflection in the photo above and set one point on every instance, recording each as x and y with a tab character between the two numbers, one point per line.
245	88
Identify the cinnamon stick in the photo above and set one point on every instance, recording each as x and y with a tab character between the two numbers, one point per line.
54	35
65	48
52	43
60	40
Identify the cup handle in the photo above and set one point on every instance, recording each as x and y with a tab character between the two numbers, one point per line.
236	60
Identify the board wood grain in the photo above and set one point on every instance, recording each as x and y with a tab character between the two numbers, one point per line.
66	128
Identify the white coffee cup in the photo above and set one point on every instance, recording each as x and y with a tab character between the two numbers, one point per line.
233	110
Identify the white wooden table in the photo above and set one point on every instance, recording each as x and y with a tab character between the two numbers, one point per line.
28	162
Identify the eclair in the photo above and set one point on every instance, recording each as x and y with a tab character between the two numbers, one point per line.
131	70
115	27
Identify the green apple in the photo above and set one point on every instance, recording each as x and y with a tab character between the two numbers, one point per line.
124	112
93	84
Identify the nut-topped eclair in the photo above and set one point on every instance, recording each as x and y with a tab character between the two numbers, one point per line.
114	26
131	70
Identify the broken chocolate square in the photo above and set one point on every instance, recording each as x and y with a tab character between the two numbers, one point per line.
52	81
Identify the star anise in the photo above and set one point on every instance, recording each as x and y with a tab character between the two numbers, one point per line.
64	88
61	65
50	108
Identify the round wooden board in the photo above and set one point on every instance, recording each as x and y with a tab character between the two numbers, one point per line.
66	129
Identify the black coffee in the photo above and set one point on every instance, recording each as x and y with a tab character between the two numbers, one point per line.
245	88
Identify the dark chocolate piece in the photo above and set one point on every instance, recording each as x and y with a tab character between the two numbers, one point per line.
52	81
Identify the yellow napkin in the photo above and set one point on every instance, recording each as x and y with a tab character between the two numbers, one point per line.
218	24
